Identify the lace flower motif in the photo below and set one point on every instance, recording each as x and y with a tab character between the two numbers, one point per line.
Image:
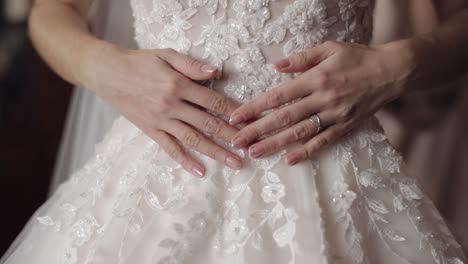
82	230
251	84
221	40
211	5
355	31
308	23
273	193
342	196
236	230
252	13
244	89
69	256
249	60
390	160
174	18
284	235
348	8
164	174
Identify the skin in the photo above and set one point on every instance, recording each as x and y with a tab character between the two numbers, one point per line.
154	89
345	84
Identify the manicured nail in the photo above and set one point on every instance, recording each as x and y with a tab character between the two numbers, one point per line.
256	152
198	171
234	163
292	160
283	63
238	142
208	68
235	119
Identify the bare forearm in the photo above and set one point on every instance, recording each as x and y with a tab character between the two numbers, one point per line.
60	34
433	59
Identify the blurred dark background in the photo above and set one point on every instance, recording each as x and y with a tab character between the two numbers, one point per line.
33	106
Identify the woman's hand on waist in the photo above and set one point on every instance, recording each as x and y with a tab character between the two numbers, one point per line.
342	84
155	90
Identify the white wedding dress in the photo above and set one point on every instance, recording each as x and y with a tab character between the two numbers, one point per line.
132	204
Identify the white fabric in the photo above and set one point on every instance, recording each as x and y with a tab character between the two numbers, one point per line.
132	204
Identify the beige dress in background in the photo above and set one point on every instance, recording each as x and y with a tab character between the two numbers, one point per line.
430	129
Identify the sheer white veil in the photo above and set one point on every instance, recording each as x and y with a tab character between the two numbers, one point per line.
88	116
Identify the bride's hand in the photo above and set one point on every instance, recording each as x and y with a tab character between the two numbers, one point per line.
155	91
343	84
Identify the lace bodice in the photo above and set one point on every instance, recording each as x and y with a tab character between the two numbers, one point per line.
244	37
352	204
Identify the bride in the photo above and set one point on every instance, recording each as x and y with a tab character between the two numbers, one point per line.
268	104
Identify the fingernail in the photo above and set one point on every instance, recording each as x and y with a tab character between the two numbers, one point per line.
233	162
208	68
238	142
198	171
292	160
256	152
283	63
235	119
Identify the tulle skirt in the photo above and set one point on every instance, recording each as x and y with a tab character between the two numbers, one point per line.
132	204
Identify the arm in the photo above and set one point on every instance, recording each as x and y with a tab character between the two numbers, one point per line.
344	84
164	105
60	34
438	57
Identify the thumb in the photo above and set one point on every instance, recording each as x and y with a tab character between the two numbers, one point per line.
303	60
188	66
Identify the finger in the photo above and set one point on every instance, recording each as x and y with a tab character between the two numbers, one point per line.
170	145
278	119
304	60
195	140
209	99
205	122
276	97
317	143
188	66
299	132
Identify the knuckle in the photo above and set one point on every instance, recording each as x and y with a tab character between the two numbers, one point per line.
347	113
168	51
303	153
299	58
174	85
174	152
331	44
252	133
216	153
220	104
323	79
191	139
165	105
274	99
283	117
302	131
212	126
191	64
320	143
332	97
272	146
157	135
347	126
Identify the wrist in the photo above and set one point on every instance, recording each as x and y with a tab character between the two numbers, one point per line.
398	61
95	62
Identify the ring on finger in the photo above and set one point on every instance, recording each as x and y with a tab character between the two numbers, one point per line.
317	122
